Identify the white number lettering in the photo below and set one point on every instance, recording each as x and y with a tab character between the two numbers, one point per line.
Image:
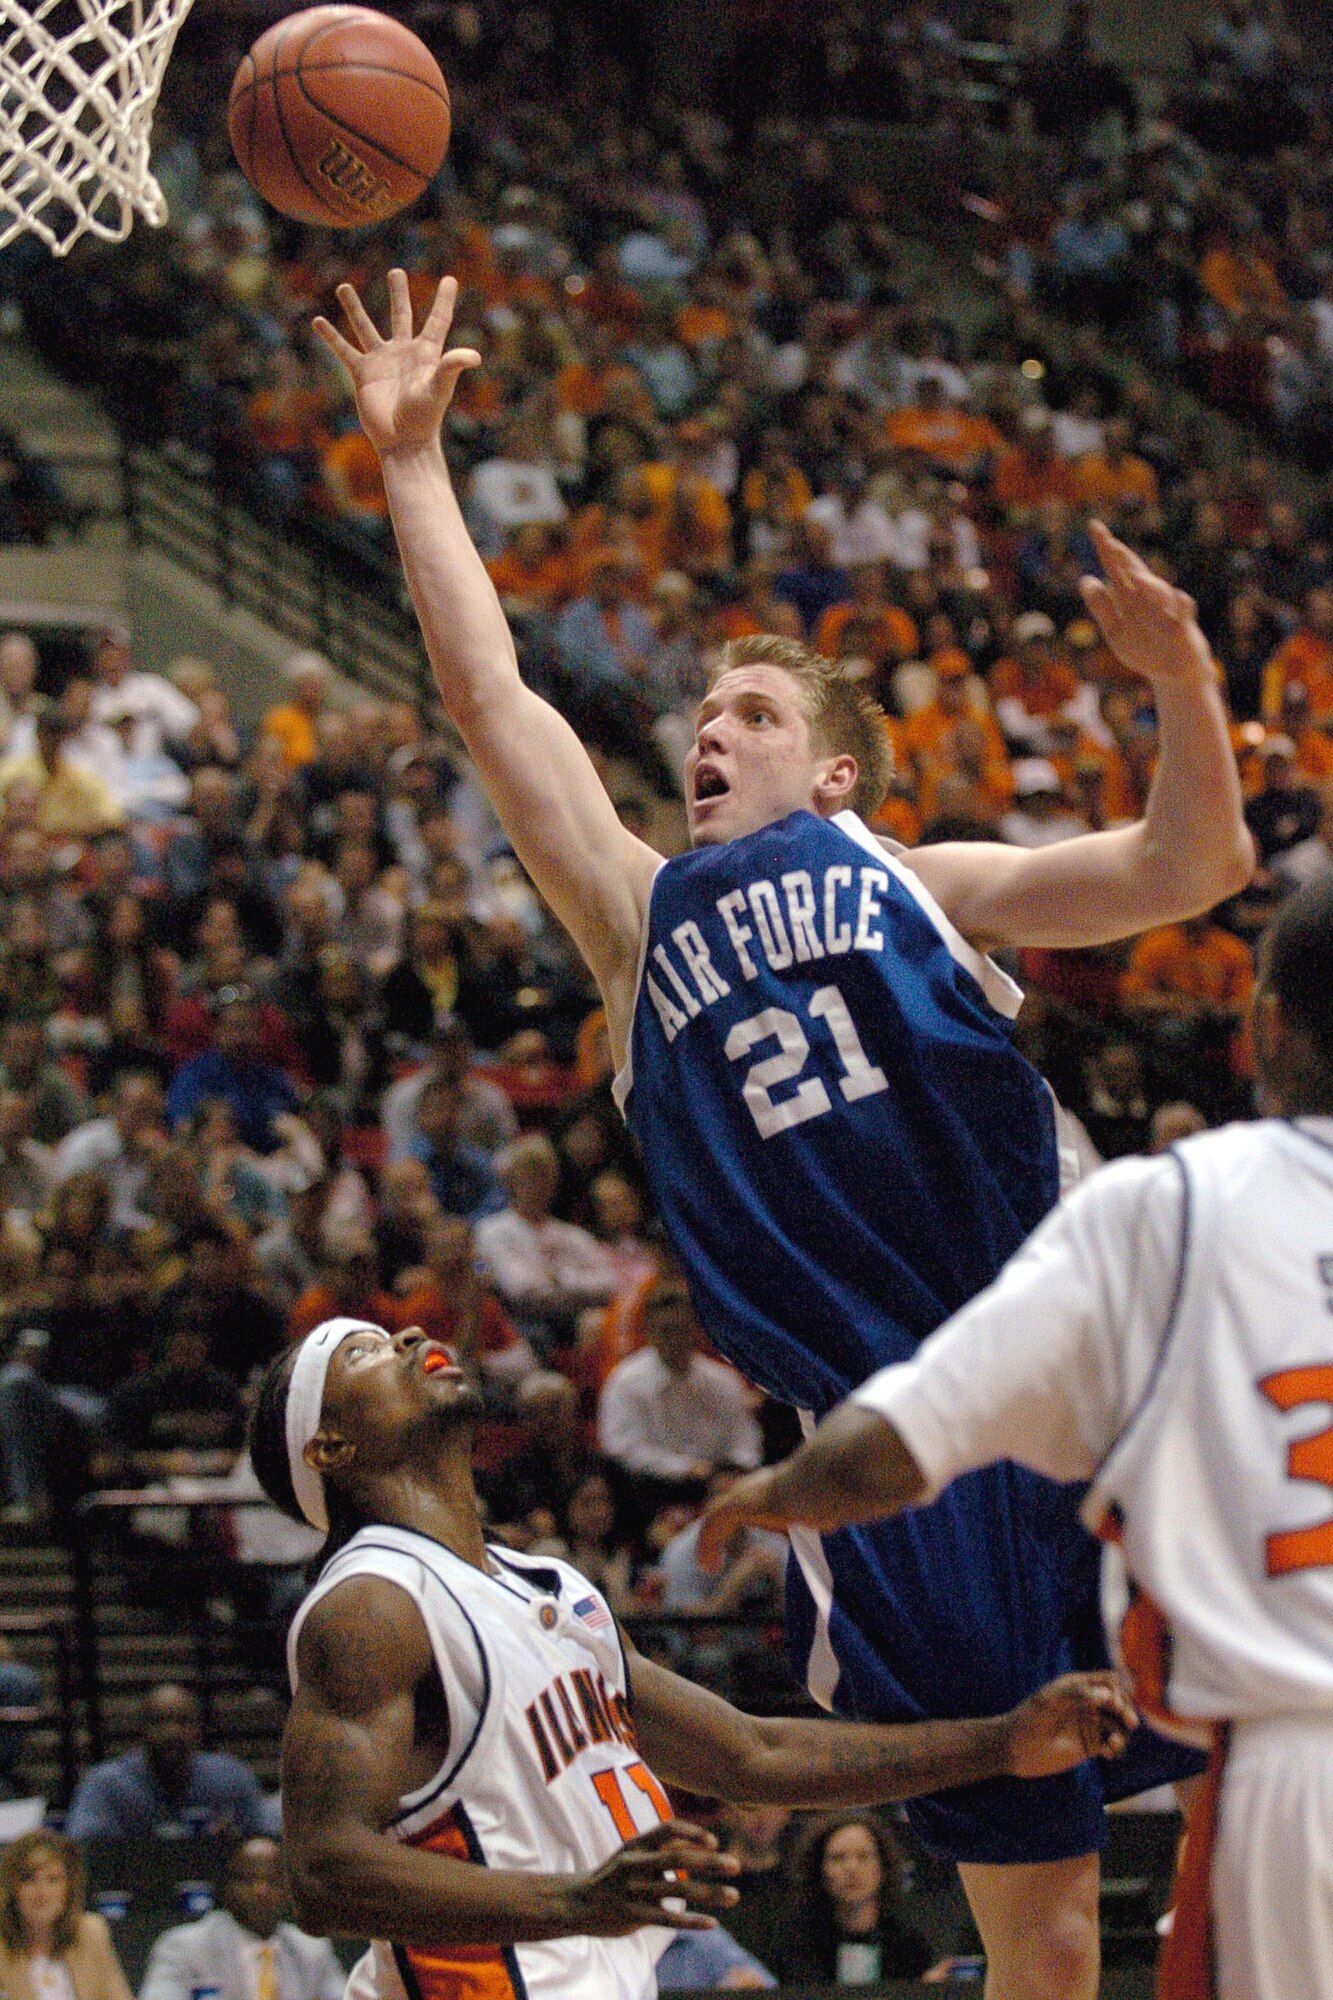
810	1101
861	1077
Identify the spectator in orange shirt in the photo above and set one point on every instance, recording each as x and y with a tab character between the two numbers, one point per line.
1115	480
1032	471
964	770
348	1284
689	527
895	635
287	419
353	481
1095	776
757	609
1031	683
954	442
926	730
1189	973
295	723
1306	658
607	300
774	493
533	573
1313	741
582	386
1238	275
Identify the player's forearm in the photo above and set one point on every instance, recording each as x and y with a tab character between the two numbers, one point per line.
855	1468
799	1763
1195	848
465	630
356	1882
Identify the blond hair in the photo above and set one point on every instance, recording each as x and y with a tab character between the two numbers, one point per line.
842	718
22	1859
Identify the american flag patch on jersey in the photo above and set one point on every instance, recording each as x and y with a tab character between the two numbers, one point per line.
593	1613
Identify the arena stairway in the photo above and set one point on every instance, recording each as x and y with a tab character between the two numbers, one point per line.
141	1638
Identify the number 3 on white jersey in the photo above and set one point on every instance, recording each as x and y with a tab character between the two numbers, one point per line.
861	1077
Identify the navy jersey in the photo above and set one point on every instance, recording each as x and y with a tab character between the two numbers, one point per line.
844	1144
846	1147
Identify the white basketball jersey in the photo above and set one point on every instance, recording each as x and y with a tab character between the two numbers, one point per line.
1217	1499
542	1773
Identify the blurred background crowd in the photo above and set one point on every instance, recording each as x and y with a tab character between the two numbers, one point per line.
284	1029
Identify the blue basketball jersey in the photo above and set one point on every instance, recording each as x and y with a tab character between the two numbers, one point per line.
843	1142
846	1147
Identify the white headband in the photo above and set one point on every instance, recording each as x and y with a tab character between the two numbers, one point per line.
305	1401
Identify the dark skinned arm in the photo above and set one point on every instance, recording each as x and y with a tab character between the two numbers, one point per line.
855	1468
350	1753
693	1739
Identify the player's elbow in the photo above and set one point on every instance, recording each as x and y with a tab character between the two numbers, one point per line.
758	1769
320	1881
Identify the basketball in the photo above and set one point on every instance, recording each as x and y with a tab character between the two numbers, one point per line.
339	116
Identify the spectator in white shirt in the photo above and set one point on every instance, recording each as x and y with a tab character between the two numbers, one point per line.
859	529
120	1145
18	684
667	1415
547	1272
245	1951
163	713
518	485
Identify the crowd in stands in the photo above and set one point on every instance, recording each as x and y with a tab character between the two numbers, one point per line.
284	1029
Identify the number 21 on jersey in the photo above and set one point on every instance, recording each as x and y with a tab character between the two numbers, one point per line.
860	1077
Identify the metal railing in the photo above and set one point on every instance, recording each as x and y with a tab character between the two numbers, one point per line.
317	582
58	1627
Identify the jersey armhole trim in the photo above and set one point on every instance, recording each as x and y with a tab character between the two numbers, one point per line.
1172	1322
623	1081
412	1802
1001	993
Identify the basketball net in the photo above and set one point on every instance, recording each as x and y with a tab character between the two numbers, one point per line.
79	80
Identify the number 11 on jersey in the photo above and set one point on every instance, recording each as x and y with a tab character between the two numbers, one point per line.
860	1078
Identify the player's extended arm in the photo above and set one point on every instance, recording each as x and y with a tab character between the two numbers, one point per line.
347	1758
695	1739
1190	850
594	873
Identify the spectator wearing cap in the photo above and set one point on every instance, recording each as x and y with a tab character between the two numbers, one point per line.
1284	811
162	712
1040	814
1032	682
486	1116
234	1070
295	722
72	802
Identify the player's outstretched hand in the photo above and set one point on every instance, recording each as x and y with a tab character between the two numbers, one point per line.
403	384
1150	626
1071	1719
676	1863
751	1502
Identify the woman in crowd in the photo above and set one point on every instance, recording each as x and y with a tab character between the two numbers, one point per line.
847	1928
51	1948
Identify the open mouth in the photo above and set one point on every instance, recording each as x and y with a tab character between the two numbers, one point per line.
709	784
437	1358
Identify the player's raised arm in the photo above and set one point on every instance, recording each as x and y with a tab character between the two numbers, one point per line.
1190	850
594	873
348	1758
696	1740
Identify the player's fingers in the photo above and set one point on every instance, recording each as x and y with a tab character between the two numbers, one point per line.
668	1831
362	325
400	305
458	360
440	317
1101	605
336	342
718	1526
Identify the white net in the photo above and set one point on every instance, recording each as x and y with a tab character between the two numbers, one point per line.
78	83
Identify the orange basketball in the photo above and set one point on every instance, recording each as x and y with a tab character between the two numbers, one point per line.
339	116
